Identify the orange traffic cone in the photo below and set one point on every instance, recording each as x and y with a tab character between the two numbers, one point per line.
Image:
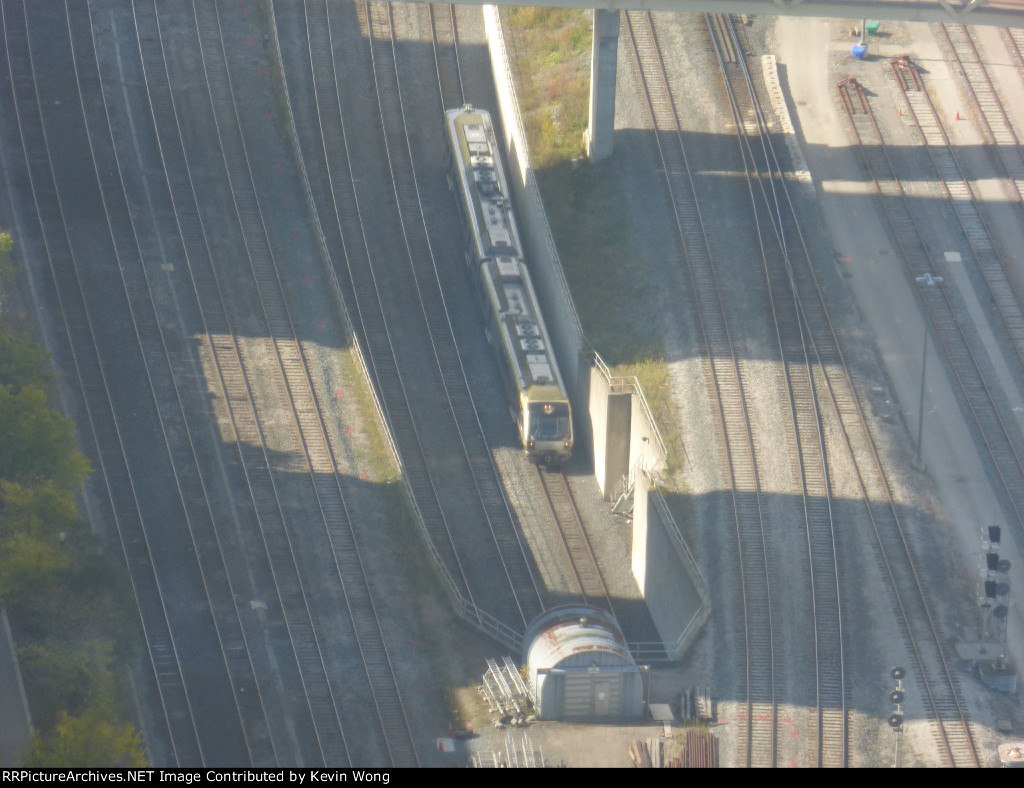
958	114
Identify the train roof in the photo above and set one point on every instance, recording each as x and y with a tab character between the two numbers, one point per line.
483	181
523	331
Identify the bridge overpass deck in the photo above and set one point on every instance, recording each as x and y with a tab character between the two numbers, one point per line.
1002	13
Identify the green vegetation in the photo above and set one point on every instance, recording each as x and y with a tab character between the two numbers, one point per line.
69	603
7	270
552	47
590	222
551	64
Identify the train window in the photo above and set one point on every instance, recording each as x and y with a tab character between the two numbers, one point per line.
549	421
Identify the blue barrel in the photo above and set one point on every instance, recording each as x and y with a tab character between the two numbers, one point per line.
858	51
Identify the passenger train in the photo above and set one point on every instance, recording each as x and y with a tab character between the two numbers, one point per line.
515	325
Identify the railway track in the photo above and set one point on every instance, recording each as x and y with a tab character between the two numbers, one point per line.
190	560
83	343
806	345
818	386
957	189
578	549
134	241
995	421
421	385
995	123
444	39
935	677
724	376
486	483
311	441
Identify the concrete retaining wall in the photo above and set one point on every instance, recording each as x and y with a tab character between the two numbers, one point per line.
671	583
560	316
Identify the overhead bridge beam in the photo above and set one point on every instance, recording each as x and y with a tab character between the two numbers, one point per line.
1001	13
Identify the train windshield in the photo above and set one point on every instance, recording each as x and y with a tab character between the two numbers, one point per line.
549	421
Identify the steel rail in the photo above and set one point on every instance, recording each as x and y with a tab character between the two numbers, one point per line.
799	355
234	369
998	428
496	509
162	648
578	549
184	460
732	420
312	433
449	68
936	678
224	355
982	93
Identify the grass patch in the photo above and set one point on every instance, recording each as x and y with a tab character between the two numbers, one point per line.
552	67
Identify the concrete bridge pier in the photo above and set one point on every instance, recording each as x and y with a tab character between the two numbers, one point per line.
602	84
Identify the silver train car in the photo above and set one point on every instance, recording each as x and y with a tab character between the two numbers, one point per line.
515	325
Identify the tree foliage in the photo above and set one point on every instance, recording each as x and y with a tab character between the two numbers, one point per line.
36	442
22	363
70	604
88	741
6	245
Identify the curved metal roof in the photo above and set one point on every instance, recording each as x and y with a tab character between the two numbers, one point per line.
575	636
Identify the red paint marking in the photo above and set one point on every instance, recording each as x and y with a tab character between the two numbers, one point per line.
349	429
266	116
295	235
340	393
365	477
245	12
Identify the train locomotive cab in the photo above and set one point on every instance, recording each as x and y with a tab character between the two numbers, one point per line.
547	426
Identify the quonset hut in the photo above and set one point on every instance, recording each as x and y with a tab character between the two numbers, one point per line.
580	668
